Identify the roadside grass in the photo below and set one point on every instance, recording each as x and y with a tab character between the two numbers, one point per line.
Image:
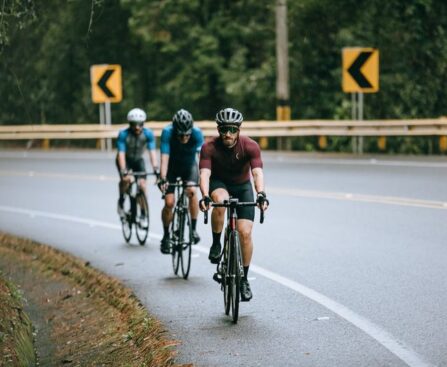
16	334
95	320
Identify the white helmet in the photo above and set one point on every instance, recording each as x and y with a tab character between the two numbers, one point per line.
136	115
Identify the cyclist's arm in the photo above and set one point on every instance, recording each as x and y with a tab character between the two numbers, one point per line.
121	147
153	159
258	178
122	160
164	161
205	175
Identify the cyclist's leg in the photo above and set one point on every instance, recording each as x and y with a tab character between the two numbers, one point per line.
192	177
166	213
218	193
244	227
244	193
122	187
140	166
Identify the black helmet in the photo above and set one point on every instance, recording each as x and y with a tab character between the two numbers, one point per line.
229	116
182	122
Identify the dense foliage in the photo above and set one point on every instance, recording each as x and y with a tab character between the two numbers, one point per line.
205	54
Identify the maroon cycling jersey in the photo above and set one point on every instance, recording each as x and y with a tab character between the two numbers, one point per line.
231	165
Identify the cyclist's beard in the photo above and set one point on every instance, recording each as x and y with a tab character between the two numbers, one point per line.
230	140
136	131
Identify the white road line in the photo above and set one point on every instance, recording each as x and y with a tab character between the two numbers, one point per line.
398	348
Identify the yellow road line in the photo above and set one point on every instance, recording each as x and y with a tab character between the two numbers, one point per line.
296	192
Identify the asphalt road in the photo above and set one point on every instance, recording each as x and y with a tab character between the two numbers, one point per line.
349	267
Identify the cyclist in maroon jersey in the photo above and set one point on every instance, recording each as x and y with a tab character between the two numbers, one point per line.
225	165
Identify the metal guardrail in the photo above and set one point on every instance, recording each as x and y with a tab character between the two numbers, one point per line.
427	127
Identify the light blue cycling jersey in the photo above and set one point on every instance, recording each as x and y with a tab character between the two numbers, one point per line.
133	145
181	155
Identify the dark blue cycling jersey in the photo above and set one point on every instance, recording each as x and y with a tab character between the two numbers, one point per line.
181	155
133	145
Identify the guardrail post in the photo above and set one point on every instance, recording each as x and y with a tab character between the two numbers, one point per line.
46	144
443	144
381	143
322	142
263	142
283	113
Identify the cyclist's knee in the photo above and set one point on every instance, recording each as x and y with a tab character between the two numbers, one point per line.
142	184
219	195
191	192
245	234
169	202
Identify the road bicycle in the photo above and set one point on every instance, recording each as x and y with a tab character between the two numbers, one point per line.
181	231
230	269
136	210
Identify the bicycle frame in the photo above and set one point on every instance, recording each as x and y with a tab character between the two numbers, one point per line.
134	190
181	222
137	199
230	270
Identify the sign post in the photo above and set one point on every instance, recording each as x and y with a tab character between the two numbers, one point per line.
106	88
360	75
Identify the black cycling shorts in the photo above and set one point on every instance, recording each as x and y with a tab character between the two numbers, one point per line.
187	174
243	192
136	165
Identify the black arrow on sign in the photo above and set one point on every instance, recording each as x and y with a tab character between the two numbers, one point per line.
103	81
355	67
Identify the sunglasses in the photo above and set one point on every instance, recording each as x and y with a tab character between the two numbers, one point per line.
135	124
231	129
183	135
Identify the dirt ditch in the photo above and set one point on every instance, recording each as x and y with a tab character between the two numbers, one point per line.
79	316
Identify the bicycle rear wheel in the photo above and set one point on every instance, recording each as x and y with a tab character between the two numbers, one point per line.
186	243
235	266
142	218
126	220
176	250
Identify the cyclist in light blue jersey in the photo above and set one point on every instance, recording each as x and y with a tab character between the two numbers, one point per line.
131	144
179	149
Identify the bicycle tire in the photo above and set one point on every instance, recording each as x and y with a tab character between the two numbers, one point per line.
142	211
235	265
176	254
226	279
186	242
126	220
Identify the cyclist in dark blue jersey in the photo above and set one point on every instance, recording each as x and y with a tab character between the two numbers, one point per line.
179	149
131	144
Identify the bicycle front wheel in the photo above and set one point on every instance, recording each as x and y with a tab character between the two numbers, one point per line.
186	243
126	219
176	250
235	266
226	278
142	218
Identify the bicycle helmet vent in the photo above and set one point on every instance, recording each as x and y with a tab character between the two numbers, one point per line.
182	122
229	116
136	115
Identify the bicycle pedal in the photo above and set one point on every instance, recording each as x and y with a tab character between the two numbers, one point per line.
217	278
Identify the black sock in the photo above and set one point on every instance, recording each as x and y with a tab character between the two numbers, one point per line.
246	272
193	223
121	199
216	237
165	231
